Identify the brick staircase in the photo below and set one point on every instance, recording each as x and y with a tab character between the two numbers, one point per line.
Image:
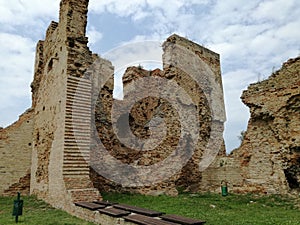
137	215
77	138
77	127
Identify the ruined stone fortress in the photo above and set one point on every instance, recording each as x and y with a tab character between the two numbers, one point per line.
49	151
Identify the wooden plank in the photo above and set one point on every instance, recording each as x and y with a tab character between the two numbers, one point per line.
146	220
89	205
146	212
182	220
106	203
114	212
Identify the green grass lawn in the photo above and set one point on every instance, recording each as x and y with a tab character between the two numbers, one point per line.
217	210
36	212
213	208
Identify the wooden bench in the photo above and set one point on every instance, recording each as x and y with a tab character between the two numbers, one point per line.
146	212
146	220
114	212
89	205
182	220
106	203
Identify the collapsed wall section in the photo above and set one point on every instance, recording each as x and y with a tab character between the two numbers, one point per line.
180	55
268	160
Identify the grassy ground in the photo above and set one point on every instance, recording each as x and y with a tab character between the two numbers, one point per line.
36	212
216	210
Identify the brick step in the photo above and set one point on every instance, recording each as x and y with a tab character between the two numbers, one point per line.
83	87
182	220
80	90
83	126
74	115
71	100
78	132
81	83
75	162
76	155
81	139
85	109
79	121
80	86
77	145
75	174
79	97
81	159
77	135
76	152
146	212
75	148
72	81
82	104
74	171
75	167
146	220
71	128
70	107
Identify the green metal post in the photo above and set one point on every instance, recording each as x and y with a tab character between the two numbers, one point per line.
18	208
224	188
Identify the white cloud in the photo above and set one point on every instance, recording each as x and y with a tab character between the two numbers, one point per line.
119	7
275	10
17	12
17	58
93	35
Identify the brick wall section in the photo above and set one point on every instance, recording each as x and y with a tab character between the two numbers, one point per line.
15	153
58	170
268	160
145	109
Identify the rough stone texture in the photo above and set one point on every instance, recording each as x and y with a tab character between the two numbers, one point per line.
57	132
268	160
50	145
15	155
59	170
149	105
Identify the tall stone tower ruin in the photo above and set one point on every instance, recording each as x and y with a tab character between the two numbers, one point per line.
59	170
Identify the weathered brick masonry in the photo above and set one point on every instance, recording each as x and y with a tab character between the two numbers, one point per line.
268	160
48	151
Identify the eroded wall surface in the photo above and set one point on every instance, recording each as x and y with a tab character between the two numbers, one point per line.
189	66
15	156
268	160
62	103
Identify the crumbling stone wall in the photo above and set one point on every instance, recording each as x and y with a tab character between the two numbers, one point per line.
145	109
15	156
268	160
59	170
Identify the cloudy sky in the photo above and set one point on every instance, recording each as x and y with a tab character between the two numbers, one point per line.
253	38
